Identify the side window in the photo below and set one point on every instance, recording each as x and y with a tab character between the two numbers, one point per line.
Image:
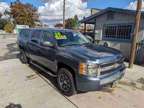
24	34
47	36
35	37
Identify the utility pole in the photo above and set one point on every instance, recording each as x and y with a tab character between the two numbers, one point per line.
63	14
135	34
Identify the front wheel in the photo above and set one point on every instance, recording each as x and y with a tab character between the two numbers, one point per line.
66	82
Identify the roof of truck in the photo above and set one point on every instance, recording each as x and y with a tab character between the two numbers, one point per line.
54	29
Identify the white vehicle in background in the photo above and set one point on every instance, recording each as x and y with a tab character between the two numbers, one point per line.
18	27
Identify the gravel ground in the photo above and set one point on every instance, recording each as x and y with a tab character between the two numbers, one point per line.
21	85
8	49
129	93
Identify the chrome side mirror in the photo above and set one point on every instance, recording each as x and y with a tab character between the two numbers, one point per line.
48	44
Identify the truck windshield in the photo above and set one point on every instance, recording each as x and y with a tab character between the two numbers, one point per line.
70	38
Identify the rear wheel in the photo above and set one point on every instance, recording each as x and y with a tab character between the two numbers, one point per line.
66	82
23	57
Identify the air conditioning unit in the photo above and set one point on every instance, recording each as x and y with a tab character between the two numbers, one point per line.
98	34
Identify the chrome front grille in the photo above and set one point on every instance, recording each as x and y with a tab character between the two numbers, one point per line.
110	67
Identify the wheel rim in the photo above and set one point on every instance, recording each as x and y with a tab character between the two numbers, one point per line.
64	82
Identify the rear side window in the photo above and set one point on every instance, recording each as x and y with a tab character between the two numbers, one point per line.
24	34
35	37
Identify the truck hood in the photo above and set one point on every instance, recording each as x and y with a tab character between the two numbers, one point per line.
92	52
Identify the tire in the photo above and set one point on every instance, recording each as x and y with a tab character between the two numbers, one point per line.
23	57
66	82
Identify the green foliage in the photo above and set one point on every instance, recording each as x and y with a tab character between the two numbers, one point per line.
3	22
9	27
69	23
76	21
72	23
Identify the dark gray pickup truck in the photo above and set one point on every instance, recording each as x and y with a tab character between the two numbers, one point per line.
78	64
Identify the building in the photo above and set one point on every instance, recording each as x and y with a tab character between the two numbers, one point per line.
114	27
94	11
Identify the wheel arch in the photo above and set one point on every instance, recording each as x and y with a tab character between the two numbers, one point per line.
63	65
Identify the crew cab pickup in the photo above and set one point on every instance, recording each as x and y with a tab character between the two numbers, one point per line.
76	63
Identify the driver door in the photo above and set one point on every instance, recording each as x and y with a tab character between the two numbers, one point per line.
48	53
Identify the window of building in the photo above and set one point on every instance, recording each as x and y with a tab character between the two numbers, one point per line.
117	31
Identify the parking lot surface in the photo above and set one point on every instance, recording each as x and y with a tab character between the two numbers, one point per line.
31	88
21	85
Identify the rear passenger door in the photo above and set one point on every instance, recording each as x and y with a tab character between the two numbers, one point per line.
23	37
34	44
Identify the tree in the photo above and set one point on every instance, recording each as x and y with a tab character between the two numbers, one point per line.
69	23
9	27
59	25
3	22
24	14
76	21
72	23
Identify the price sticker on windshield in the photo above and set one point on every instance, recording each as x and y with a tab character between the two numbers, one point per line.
59	36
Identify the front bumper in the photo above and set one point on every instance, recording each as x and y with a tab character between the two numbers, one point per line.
86	83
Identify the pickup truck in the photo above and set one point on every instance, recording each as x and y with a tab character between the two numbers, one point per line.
75	62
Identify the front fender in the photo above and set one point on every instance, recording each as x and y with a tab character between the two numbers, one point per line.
69	61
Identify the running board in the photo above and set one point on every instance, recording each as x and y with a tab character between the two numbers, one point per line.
44	70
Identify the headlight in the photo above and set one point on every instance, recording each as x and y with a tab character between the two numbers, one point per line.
92	69
89	68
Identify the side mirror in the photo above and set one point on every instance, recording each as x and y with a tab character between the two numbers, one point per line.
48	44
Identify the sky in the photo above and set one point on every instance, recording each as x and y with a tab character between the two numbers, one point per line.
36	3
91	3
101	4
51	12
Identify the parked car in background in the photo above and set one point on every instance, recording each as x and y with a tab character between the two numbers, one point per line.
78	64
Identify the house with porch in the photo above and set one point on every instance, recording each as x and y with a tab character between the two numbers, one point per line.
114	27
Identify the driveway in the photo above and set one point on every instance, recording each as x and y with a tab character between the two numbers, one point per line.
20	84
31	88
